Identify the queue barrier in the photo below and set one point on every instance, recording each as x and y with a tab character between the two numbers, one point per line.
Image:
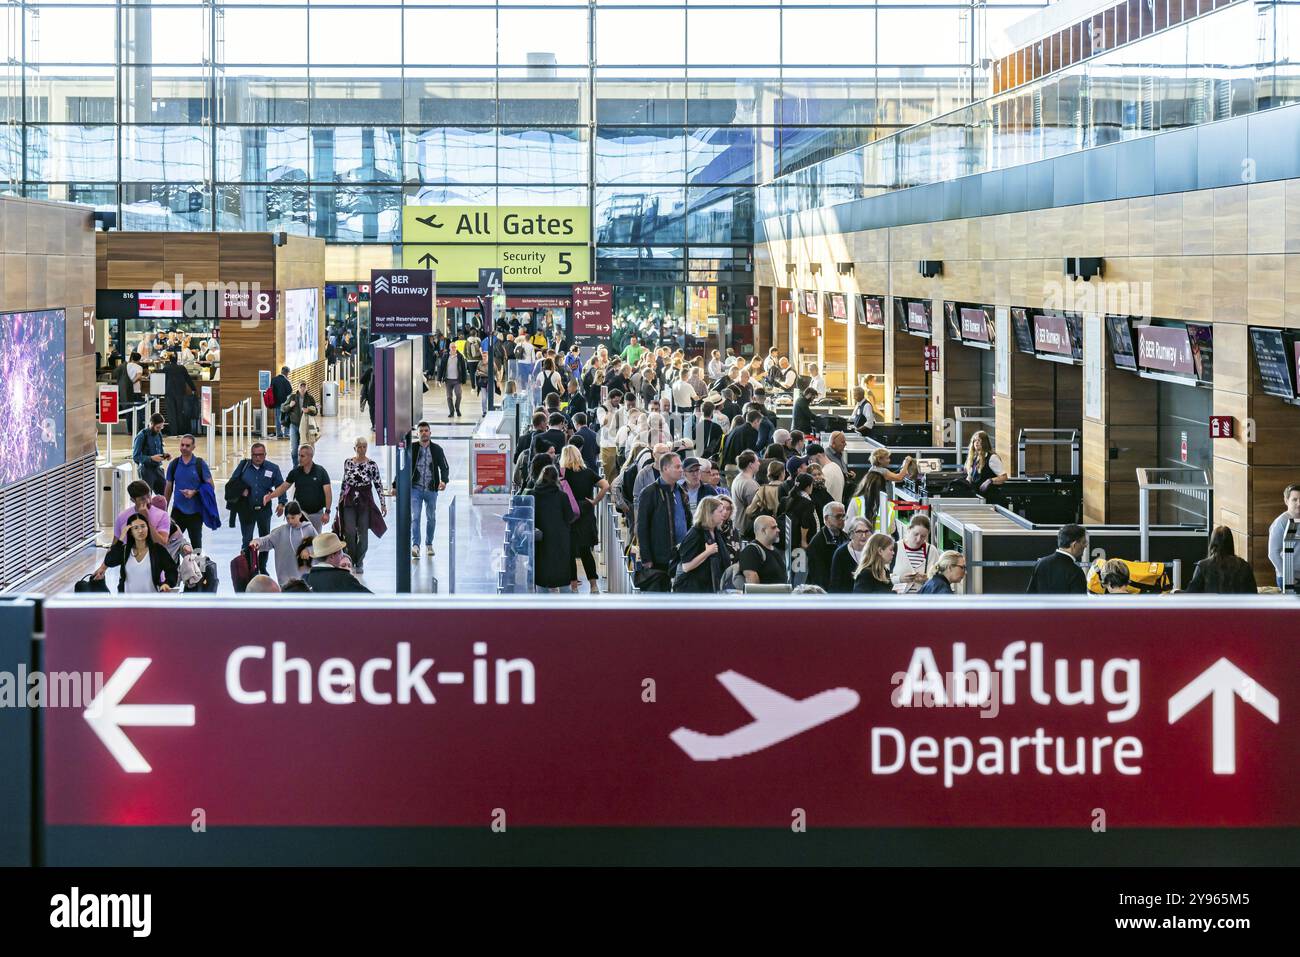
1290	541
532	719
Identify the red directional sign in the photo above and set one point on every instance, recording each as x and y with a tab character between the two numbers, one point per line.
593	305
989	715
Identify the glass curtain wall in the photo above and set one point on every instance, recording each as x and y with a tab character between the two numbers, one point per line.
323	119
1233	61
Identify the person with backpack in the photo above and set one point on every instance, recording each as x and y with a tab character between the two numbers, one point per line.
148	455
473	352
281	388
760	561
186	478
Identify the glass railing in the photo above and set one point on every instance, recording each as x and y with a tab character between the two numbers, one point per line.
1237	60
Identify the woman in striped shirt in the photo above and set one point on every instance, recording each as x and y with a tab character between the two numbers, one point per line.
914	560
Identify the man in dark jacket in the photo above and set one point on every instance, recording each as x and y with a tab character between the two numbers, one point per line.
554	438
281	389
712	447
330	568
1059	572
663	518
179	386
742	437
590	442
801	417
429	476
821	550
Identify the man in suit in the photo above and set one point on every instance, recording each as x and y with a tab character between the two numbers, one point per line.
330	568
1059	572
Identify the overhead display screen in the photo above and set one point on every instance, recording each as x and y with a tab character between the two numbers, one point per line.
1277	373
1121	342
873	312
31	393
1024	333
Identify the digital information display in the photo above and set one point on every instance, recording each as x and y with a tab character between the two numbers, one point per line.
32	380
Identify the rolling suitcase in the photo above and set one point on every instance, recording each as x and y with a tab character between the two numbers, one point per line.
242	569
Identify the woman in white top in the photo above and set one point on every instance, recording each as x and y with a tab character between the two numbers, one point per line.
146	567
915	557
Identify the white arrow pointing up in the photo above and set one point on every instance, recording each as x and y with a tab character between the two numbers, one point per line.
107	716
1220	682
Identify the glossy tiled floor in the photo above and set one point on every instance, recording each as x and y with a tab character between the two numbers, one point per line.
479	530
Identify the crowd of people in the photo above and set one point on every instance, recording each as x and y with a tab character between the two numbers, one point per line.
712	494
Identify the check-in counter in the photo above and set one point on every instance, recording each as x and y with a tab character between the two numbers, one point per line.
1001	546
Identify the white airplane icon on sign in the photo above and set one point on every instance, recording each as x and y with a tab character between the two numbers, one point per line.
777	717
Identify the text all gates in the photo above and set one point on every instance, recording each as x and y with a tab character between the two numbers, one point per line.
909	716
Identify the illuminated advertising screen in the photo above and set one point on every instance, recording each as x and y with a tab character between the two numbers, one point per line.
31	393
301	327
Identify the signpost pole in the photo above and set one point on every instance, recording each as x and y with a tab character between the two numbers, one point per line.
403	483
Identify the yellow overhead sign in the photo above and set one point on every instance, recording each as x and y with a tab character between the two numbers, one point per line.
519	263
442	225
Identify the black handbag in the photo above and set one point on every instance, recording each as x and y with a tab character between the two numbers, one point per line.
646	578
90	584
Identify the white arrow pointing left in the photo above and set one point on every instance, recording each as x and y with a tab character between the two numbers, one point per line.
1220	682
107	716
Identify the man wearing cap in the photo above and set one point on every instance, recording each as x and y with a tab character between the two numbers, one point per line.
330	568
830	471
795	466
695	488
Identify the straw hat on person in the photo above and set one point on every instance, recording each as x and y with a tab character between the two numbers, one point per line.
325	544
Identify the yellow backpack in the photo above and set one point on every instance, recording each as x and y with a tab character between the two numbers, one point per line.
1144	578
